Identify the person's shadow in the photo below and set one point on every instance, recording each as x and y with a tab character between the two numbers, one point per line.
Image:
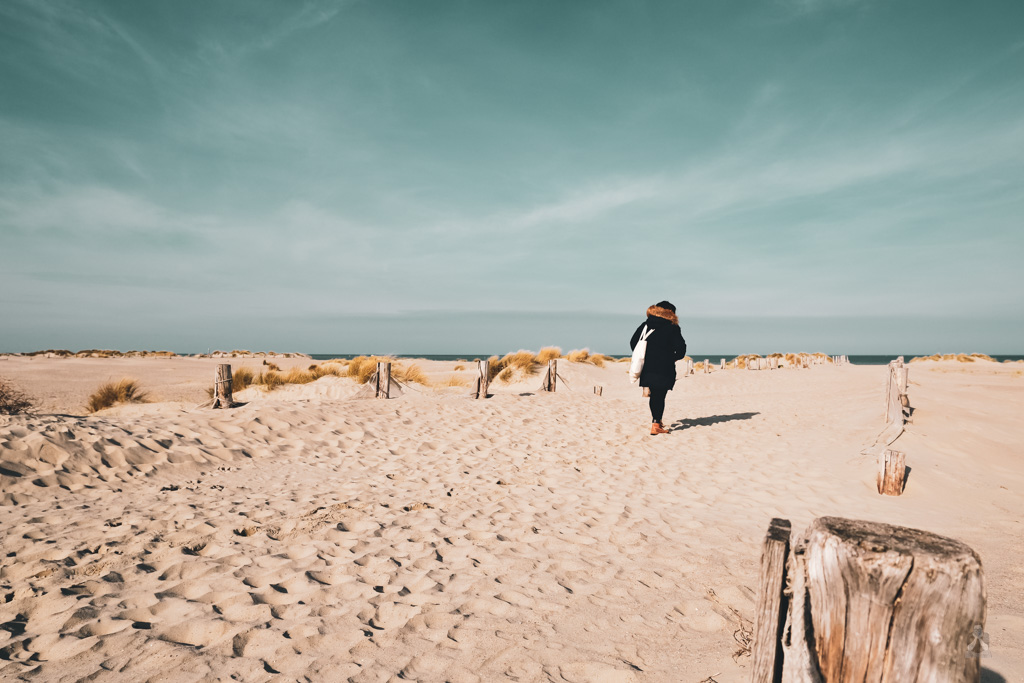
708	421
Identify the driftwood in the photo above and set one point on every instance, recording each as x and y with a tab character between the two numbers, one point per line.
598	390
222	397
877	603
891	472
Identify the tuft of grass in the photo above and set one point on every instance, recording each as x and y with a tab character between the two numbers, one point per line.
455	381
584	356
272	366
12	400
413	373
549	353
460	367
361	369
241	379
112	393
513	365
578	356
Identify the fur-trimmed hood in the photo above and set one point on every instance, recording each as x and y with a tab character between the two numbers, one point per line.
659	312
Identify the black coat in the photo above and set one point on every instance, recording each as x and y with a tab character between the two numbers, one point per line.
664	347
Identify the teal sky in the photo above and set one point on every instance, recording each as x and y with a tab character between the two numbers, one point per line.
837	175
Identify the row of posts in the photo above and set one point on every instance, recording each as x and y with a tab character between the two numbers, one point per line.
222	395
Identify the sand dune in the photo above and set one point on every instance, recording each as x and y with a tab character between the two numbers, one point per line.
527	537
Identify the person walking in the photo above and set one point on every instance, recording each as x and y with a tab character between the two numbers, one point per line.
665	346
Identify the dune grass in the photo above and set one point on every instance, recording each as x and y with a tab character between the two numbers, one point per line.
455	381
548	353
361	369
584	356
959	357
12	400
110	394
512	366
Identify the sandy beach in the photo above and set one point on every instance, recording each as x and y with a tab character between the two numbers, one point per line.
312	535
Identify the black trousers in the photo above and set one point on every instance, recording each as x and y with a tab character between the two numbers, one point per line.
658	403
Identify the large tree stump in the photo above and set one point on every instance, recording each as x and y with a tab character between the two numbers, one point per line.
772	604
876	603
483	379
383	379
222	397
891	472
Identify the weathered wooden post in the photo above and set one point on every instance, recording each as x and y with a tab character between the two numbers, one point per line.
598	390
772	604
897	403
707	366
383	379
902	378
551	378
222	387
646	392
882	603
483	379
721	364
891	472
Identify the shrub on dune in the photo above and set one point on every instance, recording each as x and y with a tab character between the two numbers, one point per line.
584	356
12	401
520	364
578	356
113	393
412	373
455	381
549	353
361	368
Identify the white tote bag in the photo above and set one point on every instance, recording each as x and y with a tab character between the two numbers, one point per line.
636	366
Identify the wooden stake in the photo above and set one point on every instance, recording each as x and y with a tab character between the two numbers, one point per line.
598	390
721	364
384	379
483	380
886	603
222	387
551	378
647	392
891	472
772	604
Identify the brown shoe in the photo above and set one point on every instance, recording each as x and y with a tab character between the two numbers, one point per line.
658	428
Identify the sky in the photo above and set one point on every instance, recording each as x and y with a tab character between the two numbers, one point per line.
471	176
